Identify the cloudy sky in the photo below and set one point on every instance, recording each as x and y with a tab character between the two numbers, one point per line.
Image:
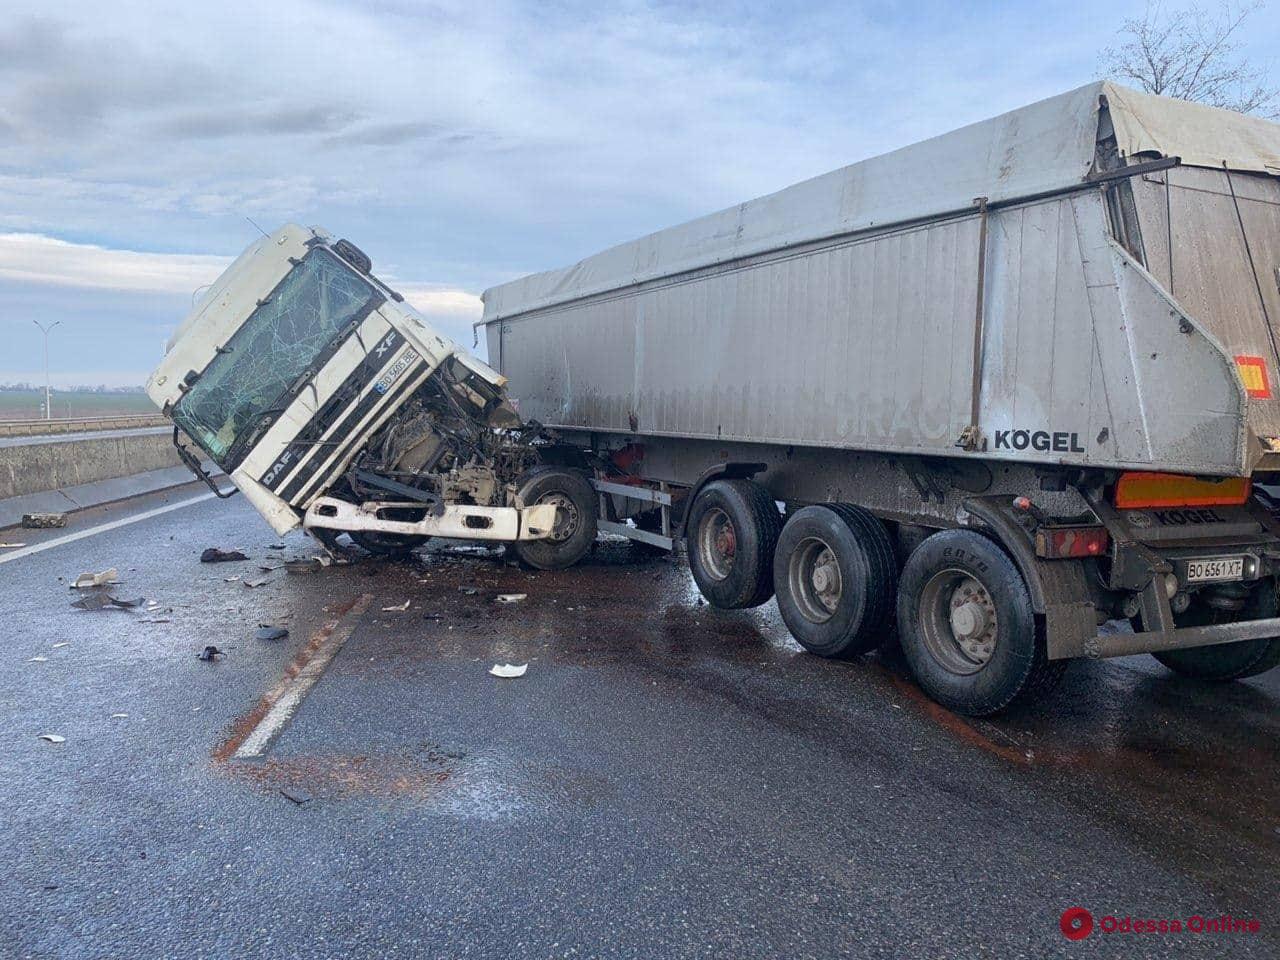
460	144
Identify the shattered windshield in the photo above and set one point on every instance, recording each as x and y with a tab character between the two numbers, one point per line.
282	339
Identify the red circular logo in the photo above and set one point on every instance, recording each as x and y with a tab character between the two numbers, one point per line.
1076	923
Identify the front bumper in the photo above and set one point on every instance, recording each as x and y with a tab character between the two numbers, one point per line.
456	521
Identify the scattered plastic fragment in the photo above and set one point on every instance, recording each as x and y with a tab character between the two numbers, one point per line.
93	601
469	591
61	643
508	670
296	795
96	579
52	737
119	716
214	555
230	579
267	631
399	607
37	521
210	653
258	581
304	565
275	546
511	597
38	659
127	604
11	546
155	620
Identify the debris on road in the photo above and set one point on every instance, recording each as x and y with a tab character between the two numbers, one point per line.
508	670
210	653
267	631
215	555
258	581
275	546
304	565
11	546
230	579
296	795
93	601
61	643
40	521
510	597
38	659
398	608
52	738
127	604
468	591
119	716
86	580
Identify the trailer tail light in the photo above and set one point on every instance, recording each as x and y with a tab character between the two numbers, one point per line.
1071	543
1136	490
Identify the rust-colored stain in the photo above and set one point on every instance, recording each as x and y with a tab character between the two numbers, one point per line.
957	725
342	776
245	725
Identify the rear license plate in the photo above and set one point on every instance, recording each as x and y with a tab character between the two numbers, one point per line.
1215	568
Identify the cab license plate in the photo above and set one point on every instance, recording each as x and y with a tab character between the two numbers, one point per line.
1215	568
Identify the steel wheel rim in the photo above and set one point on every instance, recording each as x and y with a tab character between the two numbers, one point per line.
958	621
814	578
717	543
567	518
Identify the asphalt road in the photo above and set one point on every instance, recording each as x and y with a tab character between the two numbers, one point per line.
665	781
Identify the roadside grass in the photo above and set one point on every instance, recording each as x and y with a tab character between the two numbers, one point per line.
27	405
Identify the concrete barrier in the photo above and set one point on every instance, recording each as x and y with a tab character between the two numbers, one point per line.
34	465
41	428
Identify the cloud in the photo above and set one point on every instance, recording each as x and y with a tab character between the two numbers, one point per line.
436	299
36	258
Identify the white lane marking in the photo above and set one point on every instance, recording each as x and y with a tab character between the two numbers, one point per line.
102	528
291	697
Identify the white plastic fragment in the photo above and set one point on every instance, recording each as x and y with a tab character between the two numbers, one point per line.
40	659
60	643
397	608
53	738
508	671
96	579
511	597
119	716
11	546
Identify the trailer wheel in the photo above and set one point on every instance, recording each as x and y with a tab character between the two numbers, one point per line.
574	531
732	530
967	628
836	578
1227	661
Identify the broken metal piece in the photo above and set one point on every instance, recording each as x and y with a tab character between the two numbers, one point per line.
304	565
297	795
215	555
93	601
210	653
37	521
267	631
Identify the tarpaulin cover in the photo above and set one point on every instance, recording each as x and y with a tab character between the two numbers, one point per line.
1039	148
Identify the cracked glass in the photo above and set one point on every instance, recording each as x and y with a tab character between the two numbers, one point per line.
286	338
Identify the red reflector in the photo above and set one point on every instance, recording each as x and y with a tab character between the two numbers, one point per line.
1153	490
1065	543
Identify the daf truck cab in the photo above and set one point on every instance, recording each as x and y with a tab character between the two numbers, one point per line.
332	404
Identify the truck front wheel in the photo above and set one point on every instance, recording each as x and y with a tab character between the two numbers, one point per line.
836	577
1227	661
574	530
732	530
967	627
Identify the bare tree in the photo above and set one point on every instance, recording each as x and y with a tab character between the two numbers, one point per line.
1193	53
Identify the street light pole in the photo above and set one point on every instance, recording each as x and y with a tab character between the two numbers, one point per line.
48	404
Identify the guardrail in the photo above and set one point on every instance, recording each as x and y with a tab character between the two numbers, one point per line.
40	428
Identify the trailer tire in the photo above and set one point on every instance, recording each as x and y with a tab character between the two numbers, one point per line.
967	627
836	577
731	531
575	530
1227	661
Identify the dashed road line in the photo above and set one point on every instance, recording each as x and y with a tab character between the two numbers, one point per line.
277	708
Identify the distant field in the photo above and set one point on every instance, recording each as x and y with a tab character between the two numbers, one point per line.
27	406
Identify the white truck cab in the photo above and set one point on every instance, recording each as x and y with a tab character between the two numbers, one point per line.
331	403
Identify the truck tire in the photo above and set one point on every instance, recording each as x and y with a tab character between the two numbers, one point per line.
967	628
836	578
574	532
1227	661
731	532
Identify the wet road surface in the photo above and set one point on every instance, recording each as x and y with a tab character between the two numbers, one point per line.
665	781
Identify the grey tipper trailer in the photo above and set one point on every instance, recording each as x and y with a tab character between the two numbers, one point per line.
1012	384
